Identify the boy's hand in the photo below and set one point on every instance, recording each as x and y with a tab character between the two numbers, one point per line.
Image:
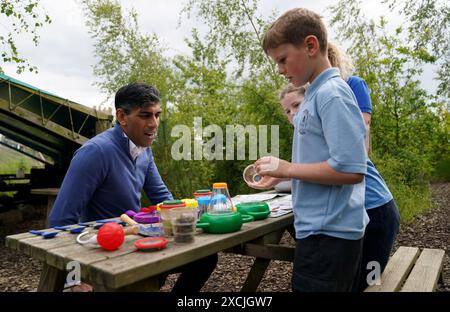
265	183
273	167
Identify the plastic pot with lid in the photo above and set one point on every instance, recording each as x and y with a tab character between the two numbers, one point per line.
223	223
258	210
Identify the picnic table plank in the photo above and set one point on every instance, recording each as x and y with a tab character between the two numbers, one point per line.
425	274
37	247
115	273
86	255
396	270
127	268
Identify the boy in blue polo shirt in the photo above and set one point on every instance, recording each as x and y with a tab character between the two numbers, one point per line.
328	157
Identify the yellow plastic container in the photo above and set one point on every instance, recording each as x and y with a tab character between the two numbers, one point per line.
190	202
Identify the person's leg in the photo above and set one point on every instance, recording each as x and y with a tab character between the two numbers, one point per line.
325	263
194	275
379	239
392	226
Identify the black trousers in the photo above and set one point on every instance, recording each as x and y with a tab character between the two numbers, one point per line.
379	239
326	264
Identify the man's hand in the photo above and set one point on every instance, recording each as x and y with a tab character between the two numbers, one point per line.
273	167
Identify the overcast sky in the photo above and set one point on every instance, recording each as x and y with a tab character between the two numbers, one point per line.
65	54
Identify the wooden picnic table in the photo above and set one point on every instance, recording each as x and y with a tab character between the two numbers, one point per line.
128	269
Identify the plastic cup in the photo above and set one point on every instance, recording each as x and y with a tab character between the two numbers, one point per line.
165	208
183	222
250	175
203	203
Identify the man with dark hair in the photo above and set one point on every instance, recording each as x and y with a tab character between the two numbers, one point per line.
107	174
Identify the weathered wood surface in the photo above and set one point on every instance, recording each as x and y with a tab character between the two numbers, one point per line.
127	268
397	269
45	191
411	270
426	271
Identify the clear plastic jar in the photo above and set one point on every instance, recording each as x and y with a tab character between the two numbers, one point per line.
165	208
184	220
220	202
203	203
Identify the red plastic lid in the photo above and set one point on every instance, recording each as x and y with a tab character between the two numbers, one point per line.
148	209
169	206
151	243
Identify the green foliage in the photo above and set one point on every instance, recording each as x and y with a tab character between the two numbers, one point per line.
22	17
125	55
235	28
428	31
442	170
227	80
411	196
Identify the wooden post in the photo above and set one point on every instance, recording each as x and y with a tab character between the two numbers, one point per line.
51	280
260	265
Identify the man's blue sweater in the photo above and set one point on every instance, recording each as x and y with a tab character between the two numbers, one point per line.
103	181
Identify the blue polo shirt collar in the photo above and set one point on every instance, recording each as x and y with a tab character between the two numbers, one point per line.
323	77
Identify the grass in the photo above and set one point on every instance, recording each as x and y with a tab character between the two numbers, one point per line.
411	201
411	193
441	173
11	160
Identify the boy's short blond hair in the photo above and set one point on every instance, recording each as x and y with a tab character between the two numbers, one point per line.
293	27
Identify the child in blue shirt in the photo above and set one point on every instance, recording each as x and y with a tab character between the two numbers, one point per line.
328	157
383	213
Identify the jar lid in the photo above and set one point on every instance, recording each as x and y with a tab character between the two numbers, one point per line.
148	209
220	185
151	243
204	200
190	202
167	206
202	191
172	202
146	218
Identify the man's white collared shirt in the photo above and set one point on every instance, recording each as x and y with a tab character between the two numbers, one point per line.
135	150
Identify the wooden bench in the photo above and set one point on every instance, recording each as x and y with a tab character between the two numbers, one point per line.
411	270
51	194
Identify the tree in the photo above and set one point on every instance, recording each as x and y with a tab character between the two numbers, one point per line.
23	17
125	54
234	26
227	80
233	36
428	27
